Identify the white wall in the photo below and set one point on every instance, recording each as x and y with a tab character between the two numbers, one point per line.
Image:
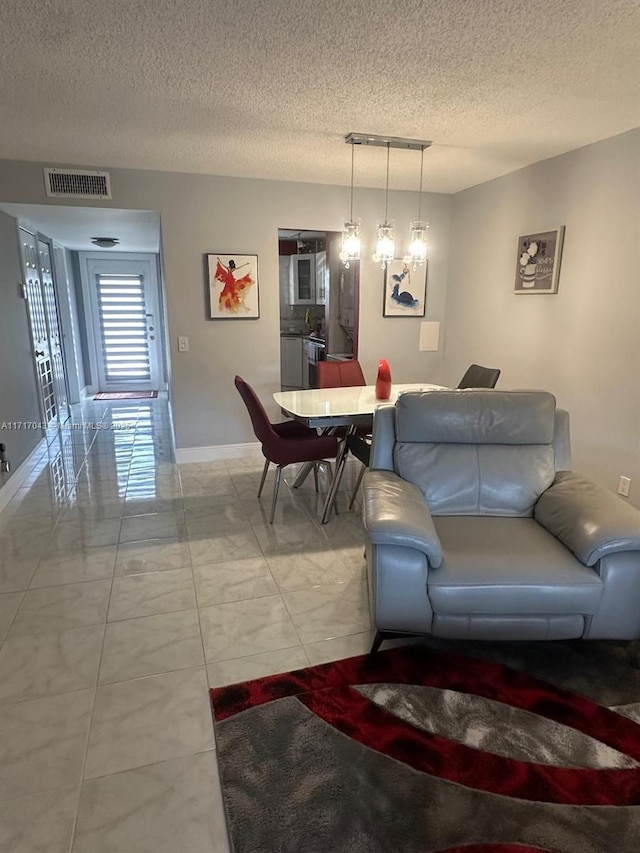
583	343
201	214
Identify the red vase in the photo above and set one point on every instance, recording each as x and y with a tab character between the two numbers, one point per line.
383	382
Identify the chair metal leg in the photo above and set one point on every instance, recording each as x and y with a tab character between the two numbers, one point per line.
302	475
276	487
264	476
341	461
315	475
355	491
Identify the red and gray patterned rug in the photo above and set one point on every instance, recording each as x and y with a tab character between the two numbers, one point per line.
518	748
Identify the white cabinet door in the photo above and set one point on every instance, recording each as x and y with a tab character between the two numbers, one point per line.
291	362
303	279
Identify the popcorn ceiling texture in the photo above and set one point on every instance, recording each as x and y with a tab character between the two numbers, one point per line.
268	89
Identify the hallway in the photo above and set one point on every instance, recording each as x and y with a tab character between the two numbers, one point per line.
127	586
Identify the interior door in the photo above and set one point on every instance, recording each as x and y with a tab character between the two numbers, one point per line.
39	334
54	331
125	319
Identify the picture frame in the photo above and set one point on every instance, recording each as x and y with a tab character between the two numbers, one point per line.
405	289
233	286
538	261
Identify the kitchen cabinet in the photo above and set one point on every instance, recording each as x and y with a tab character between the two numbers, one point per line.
308	276
291	362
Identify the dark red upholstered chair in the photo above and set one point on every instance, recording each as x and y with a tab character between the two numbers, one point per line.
342	374
285	443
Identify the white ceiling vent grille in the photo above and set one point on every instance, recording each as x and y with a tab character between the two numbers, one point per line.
77	183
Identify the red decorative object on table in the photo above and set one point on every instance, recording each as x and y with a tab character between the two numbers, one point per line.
383	382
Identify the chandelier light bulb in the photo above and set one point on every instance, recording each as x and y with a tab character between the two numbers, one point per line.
385	245
418	245
350	243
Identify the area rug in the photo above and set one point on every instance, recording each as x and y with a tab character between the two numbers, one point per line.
427	750
126	395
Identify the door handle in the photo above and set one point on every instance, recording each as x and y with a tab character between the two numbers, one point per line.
39	353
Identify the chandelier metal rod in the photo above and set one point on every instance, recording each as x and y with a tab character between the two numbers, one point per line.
386	195
420	193
352	156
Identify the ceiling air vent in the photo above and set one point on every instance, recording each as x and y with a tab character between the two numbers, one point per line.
77	183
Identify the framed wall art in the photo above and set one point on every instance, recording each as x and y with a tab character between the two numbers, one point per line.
233	287
405	289
538	264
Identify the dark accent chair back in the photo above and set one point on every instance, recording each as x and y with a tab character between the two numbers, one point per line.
478	376
265	433
340	374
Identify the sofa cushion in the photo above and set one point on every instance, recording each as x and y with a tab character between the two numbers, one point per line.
476	452
510	566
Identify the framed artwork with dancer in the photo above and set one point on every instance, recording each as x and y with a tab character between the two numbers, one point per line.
233	287
405	289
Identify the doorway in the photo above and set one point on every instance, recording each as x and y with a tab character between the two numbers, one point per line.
121	297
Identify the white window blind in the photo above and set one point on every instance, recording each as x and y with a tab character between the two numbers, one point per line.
123	324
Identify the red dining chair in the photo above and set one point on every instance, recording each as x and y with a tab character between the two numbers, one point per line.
339	374
285	443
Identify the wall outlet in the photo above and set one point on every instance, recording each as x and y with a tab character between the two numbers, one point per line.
183	344
624	484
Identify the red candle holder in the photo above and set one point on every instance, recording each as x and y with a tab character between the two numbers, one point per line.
383	382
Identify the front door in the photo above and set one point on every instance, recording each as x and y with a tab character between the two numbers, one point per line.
126	318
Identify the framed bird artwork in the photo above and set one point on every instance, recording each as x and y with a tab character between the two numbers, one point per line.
405	289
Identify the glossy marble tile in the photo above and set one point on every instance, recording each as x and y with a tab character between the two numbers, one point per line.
147	720
39	823
90	533
311	568
42	743
337	648
151	645
332	610
217	583
75	566
151	593
234	545
287	538
152	556
160	525
47	664
225	672
146	505
16	571
58	608
9	603
208	483
174	805
248	627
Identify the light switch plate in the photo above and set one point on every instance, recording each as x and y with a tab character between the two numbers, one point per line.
183	344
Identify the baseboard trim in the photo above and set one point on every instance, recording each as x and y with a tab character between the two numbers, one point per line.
15	480
216	452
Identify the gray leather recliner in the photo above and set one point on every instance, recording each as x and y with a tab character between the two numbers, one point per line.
476	528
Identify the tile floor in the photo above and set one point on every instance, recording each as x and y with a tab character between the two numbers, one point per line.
128	585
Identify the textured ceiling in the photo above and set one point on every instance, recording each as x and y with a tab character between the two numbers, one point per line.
268	90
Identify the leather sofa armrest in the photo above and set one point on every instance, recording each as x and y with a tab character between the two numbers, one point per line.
395	513
590	520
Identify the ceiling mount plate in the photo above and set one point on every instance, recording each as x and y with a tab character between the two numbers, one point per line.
386	141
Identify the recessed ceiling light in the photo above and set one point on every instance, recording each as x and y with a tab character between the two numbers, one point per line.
105	242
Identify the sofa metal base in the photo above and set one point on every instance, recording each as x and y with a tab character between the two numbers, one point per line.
381	636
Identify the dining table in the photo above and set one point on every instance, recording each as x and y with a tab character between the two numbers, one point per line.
329	408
